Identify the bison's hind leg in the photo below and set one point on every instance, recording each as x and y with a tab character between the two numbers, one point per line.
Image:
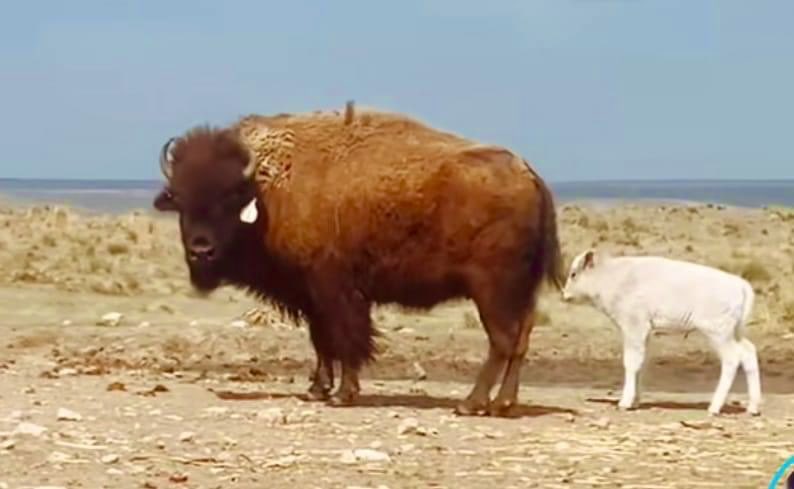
508	392
507	314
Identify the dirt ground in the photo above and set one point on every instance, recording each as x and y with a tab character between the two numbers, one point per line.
180	392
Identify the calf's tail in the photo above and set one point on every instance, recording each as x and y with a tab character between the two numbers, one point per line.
747	310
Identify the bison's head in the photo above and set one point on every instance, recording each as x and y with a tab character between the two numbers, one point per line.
209	183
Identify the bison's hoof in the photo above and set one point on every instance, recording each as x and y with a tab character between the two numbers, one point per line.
471	408
318	393
343	399
502	409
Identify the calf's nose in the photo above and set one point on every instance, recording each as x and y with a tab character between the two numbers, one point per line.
201	250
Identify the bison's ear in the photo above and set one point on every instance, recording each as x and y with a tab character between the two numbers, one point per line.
164	201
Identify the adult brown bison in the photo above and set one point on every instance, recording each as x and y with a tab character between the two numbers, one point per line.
326	214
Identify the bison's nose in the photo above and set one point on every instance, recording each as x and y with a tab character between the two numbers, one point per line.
201	250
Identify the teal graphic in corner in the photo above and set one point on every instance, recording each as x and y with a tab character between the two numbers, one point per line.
781	473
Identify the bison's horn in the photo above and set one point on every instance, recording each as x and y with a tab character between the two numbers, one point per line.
165	160
250	168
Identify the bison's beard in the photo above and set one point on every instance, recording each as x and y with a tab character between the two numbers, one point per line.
204	279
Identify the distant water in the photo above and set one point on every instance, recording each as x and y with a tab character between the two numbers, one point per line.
116	196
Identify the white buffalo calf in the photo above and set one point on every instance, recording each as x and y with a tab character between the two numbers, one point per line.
639	293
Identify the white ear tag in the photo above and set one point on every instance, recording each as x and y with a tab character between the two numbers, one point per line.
249	213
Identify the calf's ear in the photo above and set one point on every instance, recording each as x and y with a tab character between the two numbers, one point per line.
589	259
164	201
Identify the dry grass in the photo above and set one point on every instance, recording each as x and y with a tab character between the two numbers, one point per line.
755	272
471	321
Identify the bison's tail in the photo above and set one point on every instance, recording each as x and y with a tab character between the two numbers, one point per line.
547	259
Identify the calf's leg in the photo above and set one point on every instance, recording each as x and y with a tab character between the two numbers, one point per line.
635	340
749	361
730	352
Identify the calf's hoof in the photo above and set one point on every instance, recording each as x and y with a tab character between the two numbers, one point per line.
471	407
626	406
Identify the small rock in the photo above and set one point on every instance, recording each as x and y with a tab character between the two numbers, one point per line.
408	426
193	323
114	471
68	415
178	478
602	423
348	457
111	319
144	324
239	323
31	429
67	372
364	455
116	386
568	418
110	458
7	444
66	322
186	436
58	458
217	410
419	371
408	447
282	462
18	415
29	390
272	416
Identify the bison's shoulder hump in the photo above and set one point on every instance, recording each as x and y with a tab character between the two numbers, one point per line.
489	153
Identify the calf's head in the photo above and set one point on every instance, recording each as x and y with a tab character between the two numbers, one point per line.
579	282
209	184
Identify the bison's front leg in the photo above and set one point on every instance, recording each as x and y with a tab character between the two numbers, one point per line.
322	380
349	387
342	328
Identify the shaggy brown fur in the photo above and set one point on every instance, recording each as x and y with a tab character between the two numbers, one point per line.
366	209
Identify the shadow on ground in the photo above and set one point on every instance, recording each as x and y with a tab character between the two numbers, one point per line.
673	405
415	401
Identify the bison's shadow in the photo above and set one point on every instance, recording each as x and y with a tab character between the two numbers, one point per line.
415	401
673	405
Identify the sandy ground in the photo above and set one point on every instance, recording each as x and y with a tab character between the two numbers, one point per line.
178	394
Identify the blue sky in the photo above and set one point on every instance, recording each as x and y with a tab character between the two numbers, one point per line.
587	89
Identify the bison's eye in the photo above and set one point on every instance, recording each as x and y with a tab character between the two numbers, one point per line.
166	201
